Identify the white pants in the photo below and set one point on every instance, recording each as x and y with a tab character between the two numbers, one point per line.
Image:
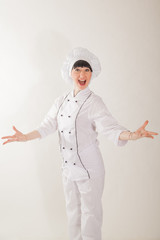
84	207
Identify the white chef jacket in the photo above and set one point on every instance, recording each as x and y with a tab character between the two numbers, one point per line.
78	120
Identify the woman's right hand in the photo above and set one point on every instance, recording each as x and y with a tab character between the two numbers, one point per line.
18	136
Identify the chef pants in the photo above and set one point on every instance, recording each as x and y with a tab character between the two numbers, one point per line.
84	207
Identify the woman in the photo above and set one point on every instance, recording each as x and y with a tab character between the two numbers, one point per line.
79	116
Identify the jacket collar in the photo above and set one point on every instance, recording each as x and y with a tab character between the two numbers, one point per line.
81	94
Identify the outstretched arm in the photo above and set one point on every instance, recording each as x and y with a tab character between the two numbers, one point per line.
139	133
20	137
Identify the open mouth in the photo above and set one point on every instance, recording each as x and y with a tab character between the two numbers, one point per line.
82	83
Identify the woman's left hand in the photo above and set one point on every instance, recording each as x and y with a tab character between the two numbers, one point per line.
141	132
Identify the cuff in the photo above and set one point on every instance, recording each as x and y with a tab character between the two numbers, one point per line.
41	133
118	142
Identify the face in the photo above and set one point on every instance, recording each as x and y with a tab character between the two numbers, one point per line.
81	77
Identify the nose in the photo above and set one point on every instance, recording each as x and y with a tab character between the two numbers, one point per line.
82	74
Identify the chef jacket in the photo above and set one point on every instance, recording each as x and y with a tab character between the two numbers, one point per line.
78	120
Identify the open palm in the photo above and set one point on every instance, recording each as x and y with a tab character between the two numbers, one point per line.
142	132
18	136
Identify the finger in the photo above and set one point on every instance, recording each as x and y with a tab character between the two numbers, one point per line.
5	142
15	129
8	141
152	133
145	124
8	137
149	137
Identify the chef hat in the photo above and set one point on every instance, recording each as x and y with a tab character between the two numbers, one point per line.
80	54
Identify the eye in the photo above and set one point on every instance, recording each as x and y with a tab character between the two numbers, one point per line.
87	70
77	69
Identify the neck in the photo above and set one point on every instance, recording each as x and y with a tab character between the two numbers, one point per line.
76	91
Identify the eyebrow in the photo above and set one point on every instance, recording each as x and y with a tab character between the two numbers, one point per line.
82	67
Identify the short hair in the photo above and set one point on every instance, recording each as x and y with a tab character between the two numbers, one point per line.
82	63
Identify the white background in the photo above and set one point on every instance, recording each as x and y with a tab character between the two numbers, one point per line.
35	36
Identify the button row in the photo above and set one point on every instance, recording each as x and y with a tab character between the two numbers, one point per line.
69	100
73	163
68	132
65	148
68	116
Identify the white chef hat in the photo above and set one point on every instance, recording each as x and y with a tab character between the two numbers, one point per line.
76	54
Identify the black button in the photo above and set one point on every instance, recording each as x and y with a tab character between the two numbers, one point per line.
68	100
61	115
69	132
74	163
61	131
65	161
71	148
76	101
69	116
63	147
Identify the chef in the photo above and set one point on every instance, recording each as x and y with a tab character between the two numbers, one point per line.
79	116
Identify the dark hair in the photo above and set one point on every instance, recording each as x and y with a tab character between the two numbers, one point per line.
82	63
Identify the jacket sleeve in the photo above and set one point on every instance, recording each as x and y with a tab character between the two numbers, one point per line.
106	124
49	123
